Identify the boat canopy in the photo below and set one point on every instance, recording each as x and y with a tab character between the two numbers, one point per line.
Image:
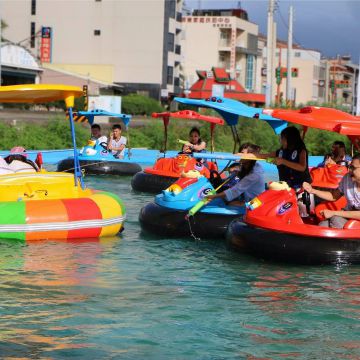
322	118
230	110
39	93
90	114
189	115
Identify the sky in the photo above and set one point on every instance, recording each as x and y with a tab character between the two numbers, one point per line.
329	26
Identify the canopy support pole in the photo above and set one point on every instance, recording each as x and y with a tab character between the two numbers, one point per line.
236	137
166	123
77	170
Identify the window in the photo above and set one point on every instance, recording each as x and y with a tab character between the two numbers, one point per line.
297	54
172	10
33	7
97	32
170	75
32	34
171	41
252	43
249	80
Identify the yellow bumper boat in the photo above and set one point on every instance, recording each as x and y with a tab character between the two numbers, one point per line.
53	205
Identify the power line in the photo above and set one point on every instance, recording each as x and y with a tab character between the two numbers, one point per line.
295	39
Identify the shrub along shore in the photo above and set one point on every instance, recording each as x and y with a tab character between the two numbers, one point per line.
148	132
55	134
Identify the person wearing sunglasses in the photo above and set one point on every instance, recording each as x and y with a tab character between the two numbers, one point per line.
348	187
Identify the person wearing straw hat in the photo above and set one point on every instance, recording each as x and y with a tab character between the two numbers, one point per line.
251	183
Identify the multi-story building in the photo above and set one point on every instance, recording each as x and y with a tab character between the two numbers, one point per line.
342	78
308	73
135	44
225	39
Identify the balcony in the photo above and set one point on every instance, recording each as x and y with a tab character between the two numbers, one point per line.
240	49
224	43
224	64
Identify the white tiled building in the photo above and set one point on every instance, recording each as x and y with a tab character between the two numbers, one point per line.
134	44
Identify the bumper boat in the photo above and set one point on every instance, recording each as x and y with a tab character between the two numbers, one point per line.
95	159
275	228
167	215
36	204
167	170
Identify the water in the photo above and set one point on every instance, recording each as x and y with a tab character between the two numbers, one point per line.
140	297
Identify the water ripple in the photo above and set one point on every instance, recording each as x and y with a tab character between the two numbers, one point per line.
141	297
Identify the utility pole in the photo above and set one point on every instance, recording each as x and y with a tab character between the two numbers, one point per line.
357	113
270	52
0	50
289	57
327	78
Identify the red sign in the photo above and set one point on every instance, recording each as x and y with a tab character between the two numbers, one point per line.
45	47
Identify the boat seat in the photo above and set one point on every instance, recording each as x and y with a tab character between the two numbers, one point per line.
352	225
330	205
20	166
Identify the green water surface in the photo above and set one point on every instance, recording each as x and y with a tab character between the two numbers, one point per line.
140	297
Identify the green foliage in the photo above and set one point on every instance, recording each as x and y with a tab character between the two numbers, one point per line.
56	135
318	142
139	105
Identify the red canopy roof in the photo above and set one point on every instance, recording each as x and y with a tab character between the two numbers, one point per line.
320	118
189	115
203	88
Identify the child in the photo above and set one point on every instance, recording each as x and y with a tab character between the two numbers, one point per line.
195	143
117	143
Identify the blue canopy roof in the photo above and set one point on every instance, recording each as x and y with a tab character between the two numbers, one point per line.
231	109
90	114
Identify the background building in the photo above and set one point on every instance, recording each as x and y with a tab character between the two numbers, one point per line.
135	44
342	78
308	73
221	38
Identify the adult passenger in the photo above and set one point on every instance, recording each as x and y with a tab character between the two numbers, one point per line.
291	159
251	183
96	134
338	155
117	143
348	187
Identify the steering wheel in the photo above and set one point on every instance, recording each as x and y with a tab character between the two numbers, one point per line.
104	145
215	178
305	198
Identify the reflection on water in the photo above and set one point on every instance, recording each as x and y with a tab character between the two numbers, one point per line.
139	297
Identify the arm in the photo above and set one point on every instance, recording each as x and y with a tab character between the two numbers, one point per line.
352	214
199	147
260	156
216	196
331	195
109	147
241	187
300	166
